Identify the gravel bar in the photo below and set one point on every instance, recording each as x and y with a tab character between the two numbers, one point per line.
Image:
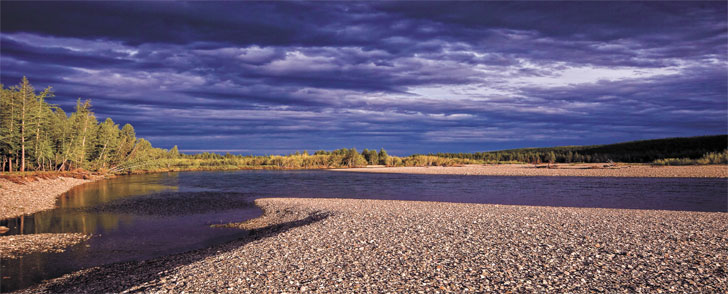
380	246
577	170
174	203
15	246
31	197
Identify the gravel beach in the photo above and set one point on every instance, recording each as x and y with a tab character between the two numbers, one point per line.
34	196
577	170
378	246
15	246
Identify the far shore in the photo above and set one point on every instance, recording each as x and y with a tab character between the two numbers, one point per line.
564	170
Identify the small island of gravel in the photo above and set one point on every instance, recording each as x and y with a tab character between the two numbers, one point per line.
343	246
16	246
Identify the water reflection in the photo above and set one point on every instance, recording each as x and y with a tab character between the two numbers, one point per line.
69	218
117	235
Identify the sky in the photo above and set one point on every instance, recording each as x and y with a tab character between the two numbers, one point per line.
410	77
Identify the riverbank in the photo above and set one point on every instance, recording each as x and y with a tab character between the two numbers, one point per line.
34	195
566	170
346	245
15	246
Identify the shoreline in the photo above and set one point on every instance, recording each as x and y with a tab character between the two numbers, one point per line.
17	246
344	245
31	196
36	195
560	170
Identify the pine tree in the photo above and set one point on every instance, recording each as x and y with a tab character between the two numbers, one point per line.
8	133
39	122
26	96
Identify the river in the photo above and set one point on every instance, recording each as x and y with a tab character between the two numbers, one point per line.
152	229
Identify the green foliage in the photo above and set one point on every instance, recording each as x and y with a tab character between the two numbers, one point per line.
636	151
428	160
40	136
708	158
371	156
383	157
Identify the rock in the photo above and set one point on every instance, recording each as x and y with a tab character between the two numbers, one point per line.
380	246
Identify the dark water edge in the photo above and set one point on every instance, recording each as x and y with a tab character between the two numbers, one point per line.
124	233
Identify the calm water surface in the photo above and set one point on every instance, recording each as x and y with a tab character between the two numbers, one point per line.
136	236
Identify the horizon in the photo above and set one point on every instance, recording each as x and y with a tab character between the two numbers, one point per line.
243	152
409	77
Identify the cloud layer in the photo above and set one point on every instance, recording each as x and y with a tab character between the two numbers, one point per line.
408	76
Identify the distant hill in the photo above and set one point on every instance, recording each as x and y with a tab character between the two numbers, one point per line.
634	151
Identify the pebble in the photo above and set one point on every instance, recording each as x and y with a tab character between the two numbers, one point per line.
27	198
15	246
380	246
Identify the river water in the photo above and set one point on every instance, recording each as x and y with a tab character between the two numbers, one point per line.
136	234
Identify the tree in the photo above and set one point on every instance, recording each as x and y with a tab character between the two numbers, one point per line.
352	158
25	96
127	140
84	127
38	135
383	156
174	152
365	153
551	157
44	149
8	131
373	158
370	156
41	142
107	142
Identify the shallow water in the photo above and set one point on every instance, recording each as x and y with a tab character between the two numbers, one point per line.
123	235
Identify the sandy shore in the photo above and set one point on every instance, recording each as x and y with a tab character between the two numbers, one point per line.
579	170
15	246
377	246
30	197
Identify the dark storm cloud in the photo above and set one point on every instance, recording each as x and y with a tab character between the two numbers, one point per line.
410	76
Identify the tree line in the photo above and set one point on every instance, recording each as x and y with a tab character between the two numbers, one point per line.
645	151
36	135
